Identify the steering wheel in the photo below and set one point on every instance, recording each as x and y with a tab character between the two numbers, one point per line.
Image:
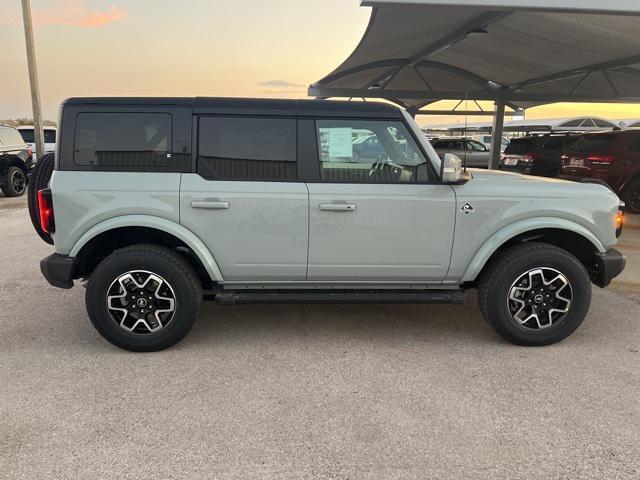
382	167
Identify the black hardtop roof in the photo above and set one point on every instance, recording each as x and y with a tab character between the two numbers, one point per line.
249	106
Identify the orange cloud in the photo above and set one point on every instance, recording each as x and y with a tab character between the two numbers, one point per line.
76	13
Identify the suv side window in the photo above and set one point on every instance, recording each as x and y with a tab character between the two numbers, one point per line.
123	140
369	151
247	148
49	136
475	146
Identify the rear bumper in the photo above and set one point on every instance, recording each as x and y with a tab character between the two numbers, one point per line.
609	266
58	270
524	169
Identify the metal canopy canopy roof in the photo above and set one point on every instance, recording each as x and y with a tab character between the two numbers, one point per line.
577	124
522	53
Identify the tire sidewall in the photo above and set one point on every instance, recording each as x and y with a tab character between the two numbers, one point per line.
499	313
112	268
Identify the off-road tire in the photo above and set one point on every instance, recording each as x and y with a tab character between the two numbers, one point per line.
40	178
161	261
498	277
8	189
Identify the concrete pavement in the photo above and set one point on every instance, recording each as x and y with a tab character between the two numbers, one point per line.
326	392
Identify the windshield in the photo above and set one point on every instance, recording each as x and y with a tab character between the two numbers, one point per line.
424	143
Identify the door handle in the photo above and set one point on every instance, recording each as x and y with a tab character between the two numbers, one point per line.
338	207
210	205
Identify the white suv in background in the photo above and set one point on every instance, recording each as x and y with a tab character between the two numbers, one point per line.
50	133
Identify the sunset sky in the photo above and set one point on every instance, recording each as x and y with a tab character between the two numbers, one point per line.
185	48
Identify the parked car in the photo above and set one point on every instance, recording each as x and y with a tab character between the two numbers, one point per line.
537	155
16	161
472	152
155	201
613	157
367	148
486	141
27	132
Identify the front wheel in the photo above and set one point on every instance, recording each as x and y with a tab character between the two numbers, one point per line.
143	298
535	294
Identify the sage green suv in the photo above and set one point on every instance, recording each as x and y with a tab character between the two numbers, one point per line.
157	203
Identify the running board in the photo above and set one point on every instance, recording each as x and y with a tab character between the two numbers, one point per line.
243	297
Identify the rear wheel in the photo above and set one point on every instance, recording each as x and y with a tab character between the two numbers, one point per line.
15	183
632	196
535	294
143	298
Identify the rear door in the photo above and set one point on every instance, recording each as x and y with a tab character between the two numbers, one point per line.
377	220
245	202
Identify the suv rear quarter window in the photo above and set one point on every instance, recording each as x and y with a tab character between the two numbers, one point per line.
247	148
123	140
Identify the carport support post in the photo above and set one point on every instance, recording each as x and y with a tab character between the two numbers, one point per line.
33	78
496	132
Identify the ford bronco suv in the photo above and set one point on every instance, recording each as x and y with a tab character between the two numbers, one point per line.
157	203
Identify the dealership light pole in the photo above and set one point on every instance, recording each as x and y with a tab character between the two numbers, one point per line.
33	77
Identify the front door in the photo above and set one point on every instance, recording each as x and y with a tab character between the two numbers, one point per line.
383	219
477	155
245	202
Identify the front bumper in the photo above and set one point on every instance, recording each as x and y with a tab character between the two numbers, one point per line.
58	270
609	265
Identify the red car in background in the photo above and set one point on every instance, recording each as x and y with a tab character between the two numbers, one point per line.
613	157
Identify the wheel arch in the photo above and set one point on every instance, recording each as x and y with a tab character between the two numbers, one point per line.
565	234
123	231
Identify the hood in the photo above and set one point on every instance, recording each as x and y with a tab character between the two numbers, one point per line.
510	184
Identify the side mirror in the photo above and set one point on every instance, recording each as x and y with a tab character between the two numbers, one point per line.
451	168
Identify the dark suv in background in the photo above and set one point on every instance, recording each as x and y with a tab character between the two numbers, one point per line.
613	157
16	161
537	155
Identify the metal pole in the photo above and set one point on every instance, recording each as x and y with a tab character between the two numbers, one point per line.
33	78
496	132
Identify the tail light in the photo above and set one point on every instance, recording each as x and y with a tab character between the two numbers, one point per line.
600	159
529	157
45	206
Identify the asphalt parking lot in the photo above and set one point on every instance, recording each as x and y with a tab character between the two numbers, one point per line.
327	392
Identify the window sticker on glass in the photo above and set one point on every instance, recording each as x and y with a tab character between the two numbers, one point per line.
340	142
